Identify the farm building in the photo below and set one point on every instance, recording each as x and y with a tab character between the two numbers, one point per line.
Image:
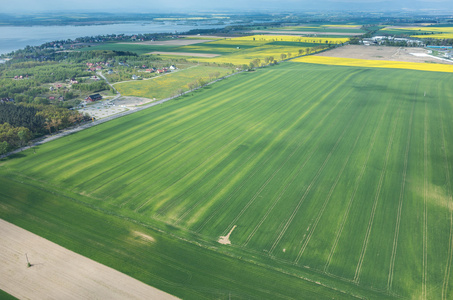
94	97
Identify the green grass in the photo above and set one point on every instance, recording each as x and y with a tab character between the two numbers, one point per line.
167	85
5	296
215	47
318	29
397	32
341	175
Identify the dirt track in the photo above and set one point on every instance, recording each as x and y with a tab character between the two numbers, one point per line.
57	273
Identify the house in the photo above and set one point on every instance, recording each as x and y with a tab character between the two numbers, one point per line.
61	98
51	98
99	68
134	77
149	70
73	81
94	97
110	72
172	67
159	71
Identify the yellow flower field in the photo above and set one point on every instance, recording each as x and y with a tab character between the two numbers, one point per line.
439	32
435	36
425	29
323	60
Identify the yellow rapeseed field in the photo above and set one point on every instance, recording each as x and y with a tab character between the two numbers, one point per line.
426	29
374	63
420	32
435	36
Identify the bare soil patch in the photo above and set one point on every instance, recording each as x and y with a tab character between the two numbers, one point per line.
418	55
131	101
177	42
57	273
304	33
225	240
209	55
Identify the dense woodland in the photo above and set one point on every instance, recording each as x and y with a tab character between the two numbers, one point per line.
22	122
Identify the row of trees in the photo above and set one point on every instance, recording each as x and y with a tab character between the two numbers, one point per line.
256	63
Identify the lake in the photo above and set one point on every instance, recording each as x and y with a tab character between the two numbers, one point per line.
17	37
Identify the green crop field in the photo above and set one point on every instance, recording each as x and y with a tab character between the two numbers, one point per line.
167	85
236	51
5	296
330	182
131	47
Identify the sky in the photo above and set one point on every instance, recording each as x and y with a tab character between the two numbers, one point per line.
179	6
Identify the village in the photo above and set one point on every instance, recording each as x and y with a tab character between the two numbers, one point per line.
91	91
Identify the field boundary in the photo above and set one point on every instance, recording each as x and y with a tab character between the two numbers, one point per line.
55	272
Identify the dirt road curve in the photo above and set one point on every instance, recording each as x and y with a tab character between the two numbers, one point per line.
57	273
